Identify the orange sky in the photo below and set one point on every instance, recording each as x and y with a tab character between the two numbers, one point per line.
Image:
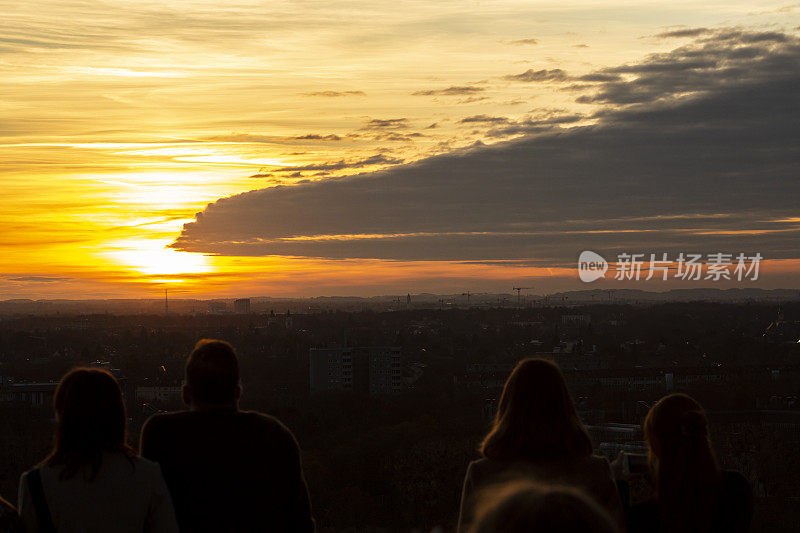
119	121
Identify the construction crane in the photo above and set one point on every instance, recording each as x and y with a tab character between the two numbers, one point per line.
519	291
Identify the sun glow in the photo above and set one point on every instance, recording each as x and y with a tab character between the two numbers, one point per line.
151	257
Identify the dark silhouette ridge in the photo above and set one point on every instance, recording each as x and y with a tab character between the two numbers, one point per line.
227	470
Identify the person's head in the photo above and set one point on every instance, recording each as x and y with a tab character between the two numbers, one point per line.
523	506
212	375
682	462
90	419
536	418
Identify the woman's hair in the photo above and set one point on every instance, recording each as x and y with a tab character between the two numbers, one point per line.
523	506
683	464
90	417
536	418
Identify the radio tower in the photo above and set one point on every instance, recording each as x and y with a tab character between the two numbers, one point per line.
166	302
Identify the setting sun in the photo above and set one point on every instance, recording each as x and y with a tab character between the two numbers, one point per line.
151	257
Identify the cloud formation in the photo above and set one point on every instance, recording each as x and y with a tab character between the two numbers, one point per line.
386	124
377	159
454	90
524	41
531	75
670	165
318	137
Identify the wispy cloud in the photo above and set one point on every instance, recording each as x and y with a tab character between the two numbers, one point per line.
524	41
387	124
542	75
377	159
454	90
335	94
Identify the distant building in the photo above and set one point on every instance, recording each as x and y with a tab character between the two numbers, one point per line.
42	393
170	395
242	305
374	370
576	320
217	306
385	371
31	393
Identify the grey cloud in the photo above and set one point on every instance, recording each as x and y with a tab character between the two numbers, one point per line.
715	172
318	137
543	75
39	279
473	99
725	58
524	41
485	119
377	159
688	32
455	90
599	77
386	124
397	137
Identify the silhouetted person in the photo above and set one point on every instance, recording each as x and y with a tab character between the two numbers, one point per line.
525	507
538	435
227	470
692	494
93	481
9	519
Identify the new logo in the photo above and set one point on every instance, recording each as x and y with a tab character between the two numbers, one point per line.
591	266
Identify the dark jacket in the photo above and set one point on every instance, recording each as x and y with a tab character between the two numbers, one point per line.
592	474
230	470
734	508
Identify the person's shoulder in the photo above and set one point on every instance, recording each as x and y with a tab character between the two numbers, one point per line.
167	419
9	519
479	465
597	461
485	464
597	464
264	423
6	508
487	468
145	465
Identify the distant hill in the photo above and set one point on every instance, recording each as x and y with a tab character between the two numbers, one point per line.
265	304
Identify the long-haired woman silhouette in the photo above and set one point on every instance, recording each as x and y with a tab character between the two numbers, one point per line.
692	493
537	434
92	480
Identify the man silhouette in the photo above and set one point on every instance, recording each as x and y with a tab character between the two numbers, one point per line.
227	470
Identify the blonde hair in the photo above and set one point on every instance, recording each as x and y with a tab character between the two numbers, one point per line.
524	506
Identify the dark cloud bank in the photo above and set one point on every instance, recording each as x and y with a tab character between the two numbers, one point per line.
695	150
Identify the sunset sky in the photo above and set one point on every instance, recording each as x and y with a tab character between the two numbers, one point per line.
489	143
